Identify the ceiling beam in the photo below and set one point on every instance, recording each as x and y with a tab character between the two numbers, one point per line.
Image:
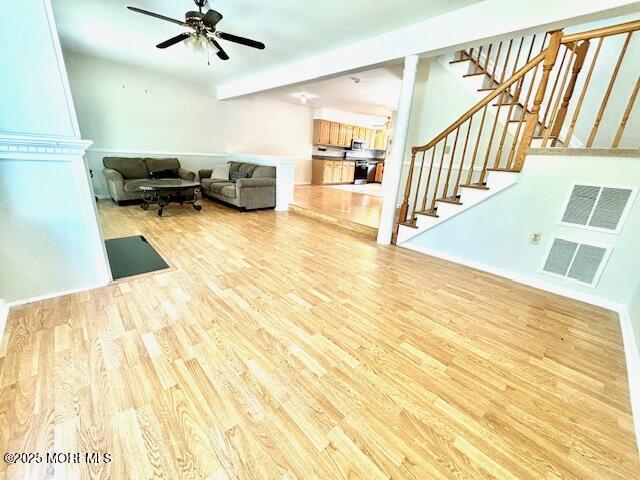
459	28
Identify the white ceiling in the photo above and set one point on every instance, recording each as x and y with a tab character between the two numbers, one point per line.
376	92
291	29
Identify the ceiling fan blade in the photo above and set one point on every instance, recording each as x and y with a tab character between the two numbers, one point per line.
222	55
157	15
243	41
211	18
173	41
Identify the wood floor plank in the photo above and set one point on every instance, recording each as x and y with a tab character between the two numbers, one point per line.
278	347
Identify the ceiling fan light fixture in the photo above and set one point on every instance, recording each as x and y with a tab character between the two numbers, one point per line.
199	43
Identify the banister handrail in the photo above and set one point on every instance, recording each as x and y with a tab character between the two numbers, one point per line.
485	101
602	32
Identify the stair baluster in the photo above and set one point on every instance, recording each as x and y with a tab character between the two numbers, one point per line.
585	87
435	190
625	115
605	99
464	153
426	188
475	149
415	200
453	154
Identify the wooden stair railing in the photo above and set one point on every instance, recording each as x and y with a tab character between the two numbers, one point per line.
544	102
435	189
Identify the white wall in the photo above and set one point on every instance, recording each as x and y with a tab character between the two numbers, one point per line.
47	245
37	106
128	109
50	240
496	232
634	312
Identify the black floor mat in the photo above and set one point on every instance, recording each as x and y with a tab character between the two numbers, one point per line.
132	256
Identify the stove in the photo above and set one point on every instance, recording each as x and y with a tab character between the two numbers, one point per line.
360	174
364	167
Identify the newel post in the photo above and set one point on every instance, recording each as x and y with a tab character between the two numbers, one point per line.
581	53
532	119
404	208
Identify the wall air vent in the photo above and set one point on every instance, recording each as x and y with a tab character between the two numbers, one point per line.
598	207
575	261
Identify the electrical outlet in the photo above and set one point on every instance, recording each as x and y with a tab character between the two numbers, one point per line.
535	238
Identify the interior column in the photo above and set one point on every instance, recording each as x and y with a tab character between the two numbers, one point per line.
393	166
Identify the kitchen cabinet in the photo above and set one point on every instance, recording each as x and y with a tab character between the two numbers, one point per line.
321	129
380	140
325	172
337	172
348	171
334	133
367	137
349	135
342	135
372	143
379	171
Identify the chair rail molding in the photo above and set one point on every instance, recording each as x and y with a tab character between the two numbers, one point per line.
42	148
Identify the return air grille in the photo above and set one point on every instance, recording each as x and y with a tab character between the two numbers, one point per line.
597	207
560	256
578	262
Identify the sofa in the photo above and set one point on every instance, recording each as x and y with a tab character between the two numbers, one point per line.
124	175
256	190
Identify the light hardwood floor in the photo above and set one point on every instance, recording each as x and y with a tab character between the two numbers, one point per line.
342	204
279	348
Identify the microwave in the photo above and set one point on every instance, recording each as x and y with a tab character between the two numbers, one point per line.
357	145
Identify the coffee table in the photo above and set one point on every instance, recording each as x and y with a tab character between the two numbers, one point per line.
163	192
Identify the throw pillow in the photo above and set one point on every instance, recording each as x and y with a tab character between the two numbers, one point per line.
159	174
220	172
236	175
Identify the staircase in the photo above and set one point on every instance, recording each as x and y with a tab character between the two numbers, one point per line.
534	91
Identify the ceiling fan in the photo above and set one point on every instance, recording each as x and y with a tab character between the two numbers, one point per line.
204	35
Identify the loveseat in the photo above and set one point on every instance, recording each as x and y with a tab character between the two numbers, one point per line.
124	175
243	185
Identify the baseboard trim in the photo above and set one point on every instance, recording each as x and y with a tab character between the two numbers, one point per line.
631	349
524	279
61	293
